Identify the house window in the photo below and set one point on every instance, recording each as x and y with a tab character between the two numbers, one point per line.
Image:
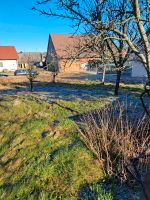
1	64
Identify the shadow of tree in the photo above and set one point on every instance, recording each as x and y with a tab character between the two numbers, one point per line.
63	90
101	190
72	90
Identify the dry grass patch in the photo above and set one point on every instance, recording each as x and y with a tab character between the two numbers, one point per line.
115	135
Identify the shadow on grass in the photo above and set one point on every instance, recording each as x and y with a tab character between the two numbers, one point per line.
84	90
103	191
64	90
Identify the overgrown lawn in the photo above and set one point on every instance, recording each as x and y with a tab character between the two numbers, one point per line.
37	159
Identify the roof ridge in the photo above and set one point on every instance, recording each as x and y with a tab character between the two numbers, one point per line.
64	34
7	46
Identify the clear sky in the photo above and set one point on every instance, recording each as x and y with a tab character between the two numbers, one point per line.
25	29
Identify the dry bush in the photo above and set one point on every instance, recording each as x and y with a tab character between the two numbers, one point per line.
116	134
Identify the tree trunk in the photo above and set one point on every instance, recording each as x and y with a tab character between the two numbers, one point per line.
148	65
117	83
103	75
143	34
53	78
31	85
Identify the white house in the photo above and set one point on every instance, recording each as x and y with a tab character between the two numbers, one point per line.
138	69
8	58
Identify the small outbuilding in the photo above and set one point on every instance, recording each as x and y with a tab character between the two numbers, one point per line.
8	58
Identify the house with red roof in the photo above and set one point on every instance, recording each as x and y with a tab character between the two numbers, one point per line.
65	53
8	58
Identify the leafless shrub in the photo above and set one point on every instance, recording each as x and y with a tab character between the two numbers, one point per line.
31	75
115	135
31	71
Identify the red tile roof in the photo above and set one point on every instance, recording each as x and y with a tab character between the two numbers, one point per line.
8	53
67	45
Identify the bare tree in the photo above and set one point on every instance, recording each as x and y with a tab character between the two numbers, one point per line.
99	45
102	50
53	70
31	72
31	75
127	22
95	15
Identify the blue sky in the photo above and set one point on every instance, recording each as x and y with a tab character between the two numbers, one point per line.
25	29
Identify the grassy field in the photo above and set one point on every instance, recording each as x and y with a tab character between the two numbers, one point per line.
39	160
41	154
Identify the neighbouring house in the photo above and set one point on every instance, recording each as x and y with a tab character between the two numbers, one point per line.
63	53
138	69
8	58
26	58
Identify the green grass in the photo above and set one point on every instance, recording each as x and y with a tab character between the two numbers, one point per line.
32	167
88	84
97	192
41	161
61	110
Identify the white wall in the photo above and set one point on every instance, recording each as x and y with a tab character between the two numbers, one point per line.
9	65
138	69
